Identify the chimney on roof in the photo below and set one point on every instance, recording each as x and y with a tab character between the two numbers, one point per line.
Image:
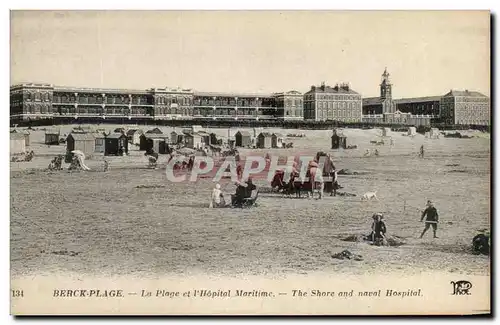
466	90
322	85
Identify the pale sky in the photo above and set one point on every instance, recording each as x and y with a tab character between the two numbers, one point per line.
426	52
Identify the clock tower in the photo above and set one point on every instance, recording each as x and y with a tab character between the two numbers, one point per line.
385	86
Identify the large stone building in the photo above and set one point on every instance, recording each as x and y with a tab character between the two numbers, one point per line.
384	109
42	101
321	103
465	107
290	105
339	103
456	107
419	105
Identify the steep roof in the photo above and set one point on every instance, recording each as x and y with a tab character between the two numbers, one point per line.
20	131
155	136
453	93
133	131
155	131
81	136
115	135
244	133
99	135
279	135
265	134
16	136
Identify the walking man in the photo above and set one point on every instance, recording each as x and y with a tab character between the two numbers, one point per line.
432	218
421	154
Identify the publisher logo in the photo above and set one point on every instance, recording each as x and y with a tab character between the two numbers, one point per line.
461	287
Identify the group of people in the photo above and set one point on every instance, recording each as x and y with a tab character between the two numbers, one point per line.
243	191
314	174
379	228
368	153
56	163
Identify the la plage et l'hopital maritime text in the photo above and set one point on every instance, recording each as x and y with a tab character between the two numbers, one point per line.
206	293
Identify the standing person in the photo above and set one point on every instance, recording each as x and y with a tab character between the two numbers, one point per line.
432	218
378	229
217	199
335	182
190	163
421	151
319	184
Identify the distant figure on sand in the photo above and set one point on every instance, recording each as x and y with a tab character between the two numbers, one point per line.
367	153
432	218
217	198
421	154
378	229
319	183
190	163
335	182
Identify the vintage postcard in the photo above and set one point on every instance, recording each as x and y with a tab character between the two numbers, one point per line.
250	162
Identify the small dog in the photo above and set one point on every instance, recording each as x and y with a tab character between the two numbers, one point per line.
369	196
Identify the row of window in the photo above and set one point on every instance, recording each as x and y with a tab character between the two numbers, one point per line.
227	102
97	111
475	107
473	121
38	97
96	99
472	100
289	102
333	105
167	101
342	113
472	115
343	119
221	112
